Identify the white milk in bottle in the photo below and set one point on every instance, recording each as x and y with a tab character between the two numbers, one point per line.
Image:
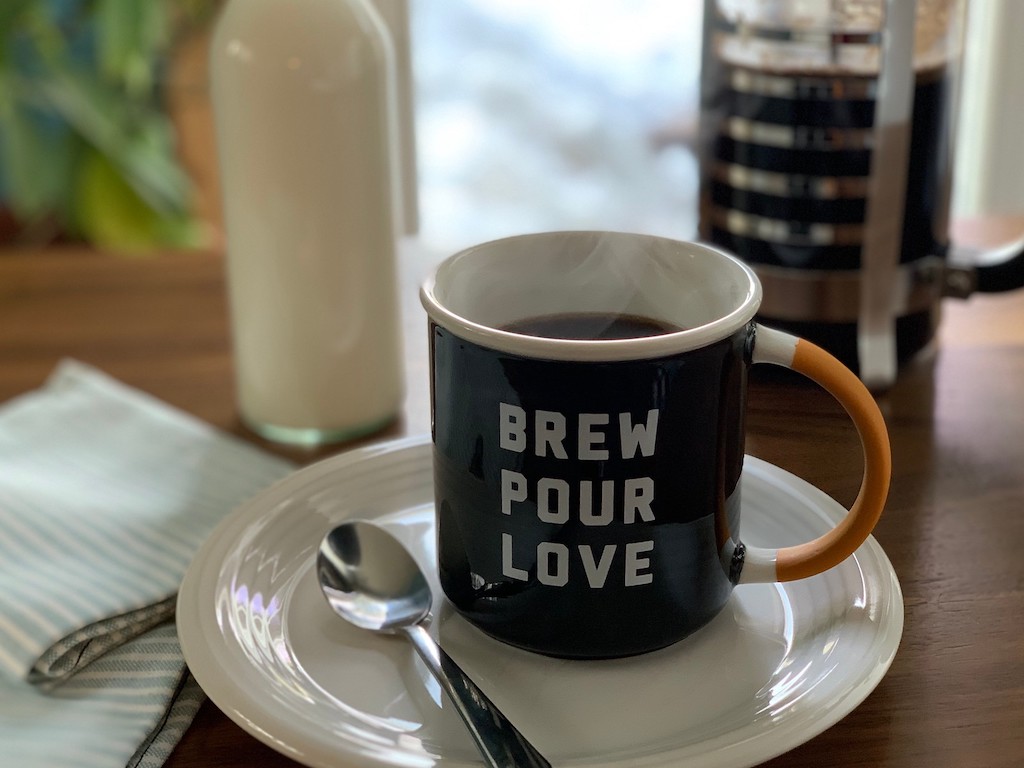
304	110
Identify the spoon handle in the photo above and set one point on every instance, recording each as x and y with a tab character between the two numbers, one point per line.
501	744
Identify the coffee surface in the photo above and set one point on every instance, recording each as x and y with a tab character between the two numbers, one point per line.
591	326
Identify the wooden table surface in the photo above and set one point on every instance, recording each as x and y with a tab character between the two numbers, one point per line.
953	528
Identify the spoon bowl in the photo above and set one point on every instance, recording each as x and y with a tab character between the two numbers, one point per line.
371	580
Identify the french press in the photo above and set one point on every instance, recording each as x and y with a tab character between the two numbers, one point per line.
826	163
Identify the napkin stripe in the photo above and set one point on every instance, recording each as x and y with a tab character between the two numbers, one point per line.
7	638
51	608
54	539
78	595
12	625
189	468
139	677
75	597
108	552
78	580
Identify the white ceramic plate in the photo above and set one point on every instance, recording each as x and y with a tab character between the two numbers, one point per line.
779	665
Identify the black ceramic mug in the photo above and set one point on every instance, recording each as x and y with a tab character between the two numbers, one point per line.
588	392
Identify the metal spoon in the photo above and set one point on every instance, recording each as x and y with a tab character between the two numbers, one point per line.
370	580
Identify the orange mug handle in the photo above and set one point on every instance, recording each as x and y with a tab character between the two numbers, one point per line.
832	548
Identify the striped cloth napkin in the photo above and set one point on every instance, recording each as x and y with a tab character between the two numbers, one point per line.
105	495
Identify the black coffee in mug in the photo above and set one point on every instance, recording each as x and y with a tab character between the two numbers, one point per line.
588	450
590	325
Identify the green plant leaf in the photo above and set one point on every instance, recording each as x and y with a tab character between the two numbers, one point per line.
11	16
110	214
140	145
131	37
35	163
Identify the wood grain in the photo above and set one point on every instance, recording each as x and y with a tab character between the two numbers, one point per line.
954	526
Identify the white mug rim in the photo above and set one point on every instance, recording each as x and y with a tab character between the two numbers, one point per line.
596	350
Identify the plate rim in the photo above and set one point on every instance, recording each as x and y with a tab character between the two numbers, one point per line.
732	754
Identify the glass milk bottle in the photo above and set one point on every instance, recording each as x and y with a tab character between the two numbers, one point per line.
304	110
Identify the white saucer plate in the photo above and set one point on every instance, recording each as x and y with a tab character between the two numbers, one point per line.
778	666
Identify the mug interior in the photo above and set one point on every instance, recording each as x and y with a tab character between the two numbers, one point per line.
480	291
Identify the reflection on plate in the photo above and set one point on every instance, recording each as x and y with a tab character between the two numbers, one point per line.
778	666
